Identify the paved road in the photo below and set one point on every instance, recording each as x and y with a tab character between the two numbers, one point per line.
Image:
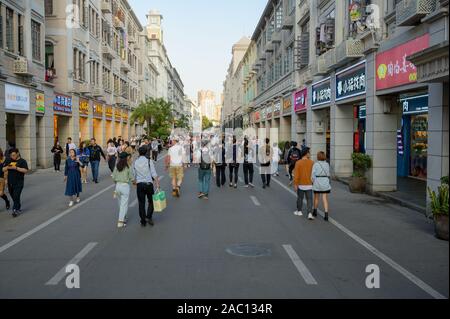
196	248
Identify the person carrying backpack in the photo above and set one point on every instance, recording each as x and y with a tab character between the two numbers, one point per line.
293	156
204	171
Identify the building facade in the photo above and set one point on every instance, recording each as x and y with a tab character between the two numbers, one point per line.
356	76
206	101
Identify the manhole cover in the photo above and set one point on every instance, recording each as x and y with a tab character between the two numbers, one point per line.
249	250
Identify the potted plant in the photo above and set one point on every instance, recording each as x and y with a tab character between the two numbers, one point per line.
361	163
439	209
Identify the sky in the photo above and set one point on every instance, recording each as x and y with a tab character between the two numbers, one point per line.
199	35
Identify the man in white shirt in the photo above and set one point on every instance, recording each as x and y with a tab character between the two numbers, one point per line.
70	146
145	177
154	148
174	163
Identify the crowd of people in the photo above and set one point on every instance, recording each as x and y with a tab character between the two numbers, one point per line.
134	163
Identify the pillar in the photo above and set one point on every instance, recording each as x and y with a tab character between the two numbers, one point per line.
341	140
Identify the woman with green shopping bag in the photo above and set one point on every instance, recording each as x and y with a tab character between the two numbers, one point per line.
123	177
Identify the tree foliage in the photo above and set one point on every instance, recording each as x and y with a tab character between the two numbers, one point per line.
157	115
182	122
206	123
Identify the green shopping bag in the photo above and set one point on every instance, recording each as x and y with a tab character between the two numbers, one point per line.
159	201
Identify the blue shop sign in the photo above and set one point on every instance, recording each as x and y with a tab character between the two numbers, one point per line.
351	81
321	92
415	104
362	112
62	103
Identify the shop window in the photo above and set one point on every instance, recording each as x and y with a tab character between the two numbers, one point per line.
419	146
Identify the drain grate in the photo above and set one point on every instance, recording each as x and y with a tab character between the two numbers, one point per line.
249	250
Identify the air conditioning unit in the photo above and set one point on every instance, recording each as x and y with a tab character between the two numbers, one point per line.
319	68
20	66
410	12
97	91
330	59
319	127
348	50
106	6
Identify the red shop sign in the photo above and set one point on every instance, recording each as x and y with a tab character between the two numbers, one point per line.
392	67
256	116
300	100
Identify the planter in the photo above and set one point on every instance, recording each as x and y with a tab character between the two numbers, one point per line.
357	184
441	226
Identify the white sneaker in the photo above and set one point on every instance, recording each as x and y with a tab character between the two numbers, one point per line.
310	216
71	203
297	213
251	185
78	200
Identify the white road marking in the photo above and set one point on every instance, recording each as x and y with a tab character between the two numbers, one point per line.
255	201
414	279
301	267
75	261
52	220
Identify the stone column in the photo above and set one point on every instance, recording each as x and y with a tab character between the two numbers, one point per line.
45	140
317	141
25	126
2	117
381	131
341	140
437	134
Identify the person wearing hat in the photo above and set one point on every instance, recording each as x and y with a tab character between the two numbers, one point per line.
123	177
146	180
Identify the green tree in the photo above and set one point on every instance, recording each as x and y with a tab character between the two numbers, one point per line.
206	123
157	115
182	122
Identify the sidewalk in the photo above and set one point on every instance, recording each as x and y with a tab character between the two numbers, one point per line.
411	193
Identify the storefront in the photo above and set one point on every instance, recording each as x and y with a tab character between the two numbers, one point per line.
300	108
109	125
17	108
396	75
62	110
117	122
40	128
286	119
350	107
84	120
413	137
320	110
97	121
269	117
126	128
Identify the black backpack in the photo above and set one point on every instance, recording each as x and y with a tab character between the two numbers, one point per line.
295	156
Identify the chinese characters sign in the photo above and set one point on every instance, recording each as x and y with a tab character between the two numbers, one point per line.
40	103
321	92
98	110
84	107
392	67
351	82
287	105
62	104
415	104
117	114
109	112
17	98
300	98
277	108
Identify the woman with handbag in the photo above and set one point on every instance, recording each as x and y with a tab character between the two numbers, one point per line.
72	177
84	154
2	181
321	183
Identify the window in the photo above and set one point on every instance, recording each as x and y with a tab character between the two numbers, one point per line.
279	18
325	34
36	40
9	30
48	7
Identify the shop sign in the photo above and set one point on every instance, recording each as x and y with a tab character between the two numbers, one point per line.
17	98
40	103
277	108
98	110
300	99
109	112
269	112
257	116
362	113
415	104
400	146
321	92
351	81
263	114
287	105
84	107
63	104
392	67
117	114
